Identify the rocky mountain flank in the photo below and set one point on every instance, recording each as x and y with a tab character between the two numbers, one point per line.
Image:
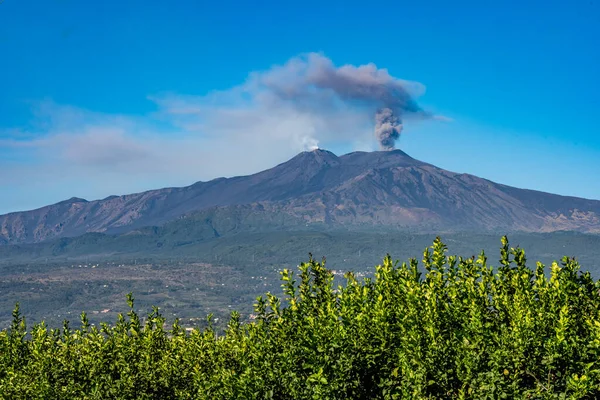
362	188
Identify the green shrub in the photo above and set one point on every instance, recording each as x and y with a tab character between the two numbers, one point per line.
460	330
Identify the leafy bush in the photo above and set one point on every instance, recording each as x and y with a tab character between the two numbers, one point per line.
460	330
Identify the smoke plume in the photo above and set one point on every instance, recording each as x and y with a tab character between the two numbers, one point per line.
387	128
313	84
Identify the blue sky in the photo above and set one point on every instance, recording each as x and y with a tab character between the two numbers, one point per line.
107	97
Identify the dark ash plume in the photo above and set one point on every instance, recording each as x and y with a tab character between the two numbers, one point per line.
314	84
387	128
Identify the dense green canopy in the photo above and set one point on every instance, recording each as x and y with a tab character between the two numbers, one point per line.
461	330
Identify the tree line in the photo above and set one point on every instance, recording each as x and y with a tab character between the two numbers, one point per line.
448	328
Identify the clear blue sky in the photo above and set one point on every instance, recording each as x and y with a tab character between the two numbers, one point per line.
521	81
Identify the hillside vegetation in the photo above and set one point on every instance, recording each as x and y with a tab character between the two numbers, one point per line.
189	281
460	330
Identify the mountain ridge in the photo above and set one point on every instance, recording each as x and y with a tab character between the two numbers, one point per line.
378	188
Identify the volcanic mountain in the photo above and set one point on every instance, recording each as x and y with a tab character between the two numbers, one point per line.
385	188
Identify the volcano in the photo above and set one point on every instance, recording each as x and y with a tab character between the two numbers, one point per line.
382	188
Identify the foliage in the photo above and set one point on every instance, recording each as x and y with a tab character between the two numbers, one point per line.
241	267
461	330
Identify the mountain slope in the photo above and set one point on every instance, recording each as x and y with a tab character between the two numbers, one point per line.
427	198
120	213
377	188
